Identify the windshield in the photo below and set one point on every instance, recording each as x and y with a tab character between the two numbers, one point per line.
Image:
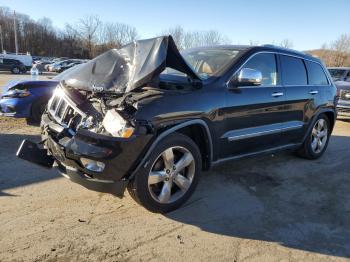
206	63
336	74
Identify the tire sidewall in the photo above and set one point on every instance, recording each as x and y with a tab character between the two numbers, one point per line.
15	69
308	141
140	188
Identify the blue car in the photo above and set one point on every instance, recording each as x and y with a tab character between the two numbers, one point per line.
26	98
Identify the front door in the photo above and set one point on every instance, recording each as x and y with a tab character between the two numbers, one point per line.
254	114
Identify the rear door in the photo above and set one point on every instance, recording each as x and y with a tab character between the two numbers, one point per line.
300	97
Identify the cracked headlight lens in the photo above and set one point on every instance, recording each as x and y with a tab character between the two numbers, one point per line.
116	125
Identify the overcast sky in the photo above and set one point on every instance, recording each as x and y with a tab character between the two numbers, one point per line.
308	24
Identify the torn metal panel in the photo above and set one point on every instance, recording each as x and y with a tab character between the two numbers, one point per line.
132	66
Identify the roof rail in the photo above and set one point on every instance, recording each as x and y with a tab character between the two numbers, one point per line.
284	48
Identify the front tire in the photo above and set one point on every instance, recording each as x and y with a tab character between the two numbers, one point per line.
317	139
15	70
170	175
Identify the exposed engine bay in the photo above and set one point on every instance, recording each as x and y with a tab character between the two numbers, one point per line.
98	112
103	95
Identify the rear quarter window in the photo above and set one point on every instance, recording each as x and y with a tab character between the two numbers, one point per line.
293	71
316	74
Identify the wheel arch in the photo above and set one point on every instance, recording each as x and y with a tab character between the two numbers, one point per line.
186	127
331	115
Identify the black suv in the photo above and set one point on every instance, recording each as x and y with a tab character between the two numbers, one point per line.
150	119
12	65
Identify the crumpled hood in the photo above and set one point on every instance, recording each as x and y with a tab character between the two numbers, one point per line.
132	66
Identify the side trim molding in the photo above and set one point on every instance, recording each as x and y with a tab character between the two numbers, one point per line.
250	132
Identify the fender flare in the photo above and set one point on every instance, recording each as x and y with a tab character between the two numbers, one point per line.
170	131
314	118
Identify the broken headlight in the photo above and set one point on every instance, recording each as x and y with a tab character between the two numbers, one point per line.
17	93
116	125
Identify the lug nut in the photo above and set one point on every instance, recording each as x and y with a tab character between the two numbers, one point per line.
167	171
174	167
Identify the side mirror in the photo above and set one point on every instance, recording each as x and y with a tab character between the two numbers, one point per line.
246	77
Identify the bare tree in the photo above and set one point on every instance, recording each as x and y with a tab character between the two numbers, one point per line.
341	49
178	34
115	35
87	28
190	39
286	43
253	42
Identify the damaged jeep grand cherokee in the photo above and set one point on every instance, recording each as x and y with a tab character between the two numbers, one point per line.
149	119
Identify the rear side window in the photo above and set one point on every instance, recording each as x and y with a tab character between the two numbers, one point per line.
293	71
316	74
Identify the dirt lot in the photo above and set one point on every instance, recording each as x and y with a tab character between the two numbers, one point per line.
272	208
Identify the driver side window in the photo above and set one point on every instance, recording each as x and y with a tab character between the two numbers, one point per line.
266	64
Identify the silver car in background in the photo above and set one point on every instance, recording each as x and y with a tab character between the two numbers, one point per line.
341	78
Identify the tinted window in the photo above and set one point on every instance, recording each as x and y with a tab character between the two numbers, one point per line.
266	64
336	74
293	71
8	61
316	74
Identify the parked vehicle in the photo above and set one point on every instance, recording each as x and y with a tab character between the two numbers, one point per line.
27	98
343	105
12	65
56	67
70	65
40	65
25	59
152	122
339	73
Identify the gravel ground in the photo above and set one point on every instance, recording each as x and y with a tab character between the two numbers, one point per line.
271	208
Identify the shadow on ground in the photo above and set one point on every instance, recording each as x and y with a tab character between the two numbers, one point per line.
298	203
15	172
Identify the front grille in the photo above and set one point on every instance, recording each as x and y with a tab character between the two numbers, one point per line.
64	111
343	110
344	94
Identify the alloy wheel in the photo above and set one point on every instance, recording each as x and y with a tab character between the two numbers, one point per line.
319	136
171	175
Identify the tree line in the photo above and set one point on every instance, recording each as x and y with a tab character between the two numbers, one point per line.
89	36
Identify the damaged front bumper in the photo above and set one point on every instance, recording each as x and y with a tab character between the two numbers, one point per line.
119	156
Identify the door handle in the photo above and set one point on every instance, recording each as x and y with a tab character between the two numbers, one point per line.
313	92
277	94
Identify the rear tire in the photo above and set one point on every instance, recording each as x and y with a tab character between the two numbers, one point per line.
317	139
170	175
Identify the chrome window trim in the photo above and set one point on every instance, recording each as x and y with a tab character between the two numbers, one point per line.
279	53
